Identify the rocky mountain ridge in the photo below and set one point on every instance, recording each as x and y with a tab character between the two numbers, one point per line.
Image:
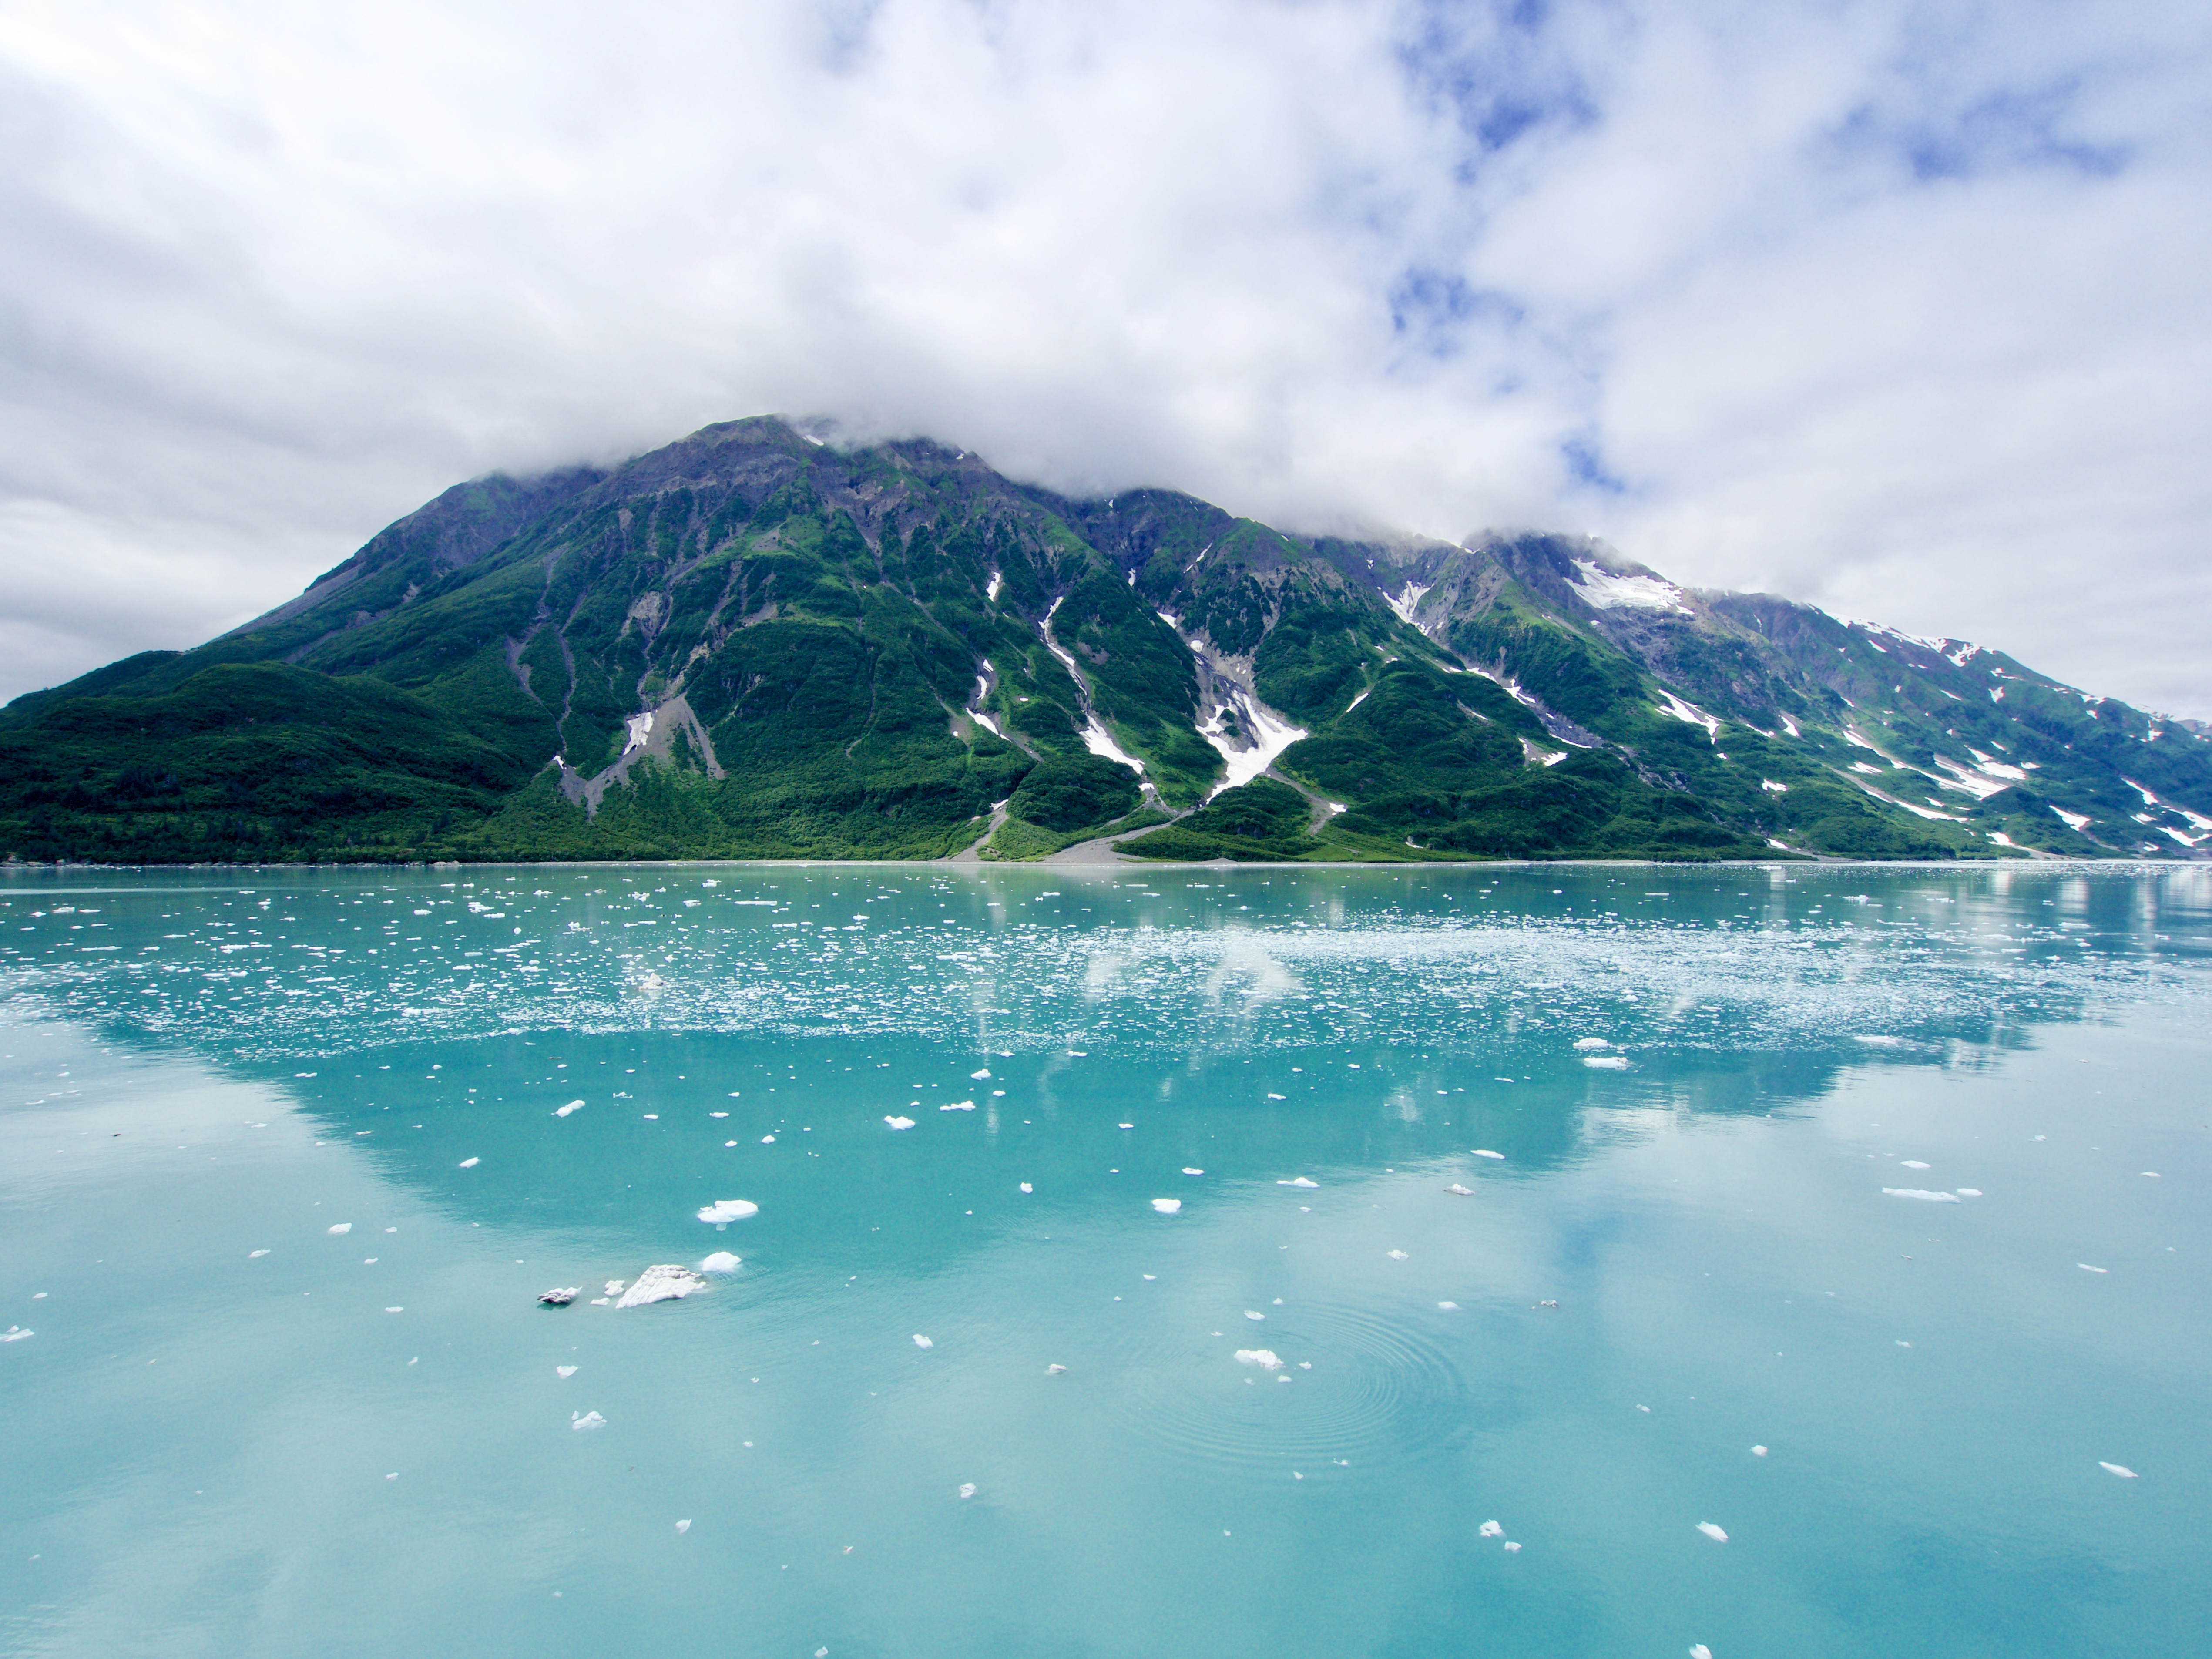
752	642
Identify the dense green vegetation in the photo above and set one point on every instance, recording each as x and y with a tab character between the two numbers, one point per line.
868	654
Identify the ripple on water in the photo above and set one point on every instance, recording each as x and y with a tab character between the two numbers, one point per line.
1381	1391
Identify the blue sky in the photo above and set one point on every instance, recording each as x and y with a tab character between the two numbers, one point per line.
1899	308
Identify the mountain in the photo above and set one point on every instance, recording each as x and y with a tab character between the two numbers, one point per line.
754	643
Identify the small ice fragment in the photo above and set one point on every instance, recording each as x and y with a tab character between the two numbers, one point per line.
1914	1164
615	1286
559	1297
1396	1255
1463	1192
724	1211
1273	1096
1125	1125
1700	1651
1970	1192
900	1122
1606	1062
1250	1314
1512	1548
1902	1343
729	1143
1646	1410
718	1115
1168	1205
395	1310
587	1420
2152	1175
470	1162
1263	1358
1301	1183
1712	1532
920	1341
768	1140
683	1527
2120	1469
1447	1307
1026	1187
16	1333
978	1076
1920	1193
1188	1171
2042	1137
958	1106
2087	1268
1758	1451
1490	1529
720	1262
573	1106
664	1281
250	1255
1055	1371
966	1488
342	1228
1484	1151
1590	1045
564	1372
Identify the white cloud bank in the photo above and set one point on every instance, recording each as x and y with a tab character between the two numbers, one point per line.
1896	308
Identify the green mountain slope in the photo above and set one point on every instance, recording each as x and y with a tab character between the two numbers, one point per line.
754	644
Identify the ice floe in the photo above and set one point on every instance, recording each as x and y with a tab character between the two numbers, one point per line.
724	1211
1299	1180
1168	1205
1025	1187
664	1281
340	1229
1606	1062
1263	1358
250	1255
564	1372
1490	1529
1758	1451
958	1106
967	1489
470	1162
900	1122
683	1527
1712	1532
921	1341
2120	1469
1447	1307
2087	1268
1396	1255
1484	1151
586	1420
1188	1171
573	1106
16	1333
1055	1371
1250	1314
1970	1192
560	1296
1459	1191
1913	1163
720	1262
1920	1193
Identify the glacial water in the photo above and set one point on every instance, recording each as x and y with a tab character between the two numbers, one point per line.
1531	1230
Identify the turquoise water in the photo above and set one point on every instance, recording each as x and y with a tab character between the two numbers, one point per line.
234	1431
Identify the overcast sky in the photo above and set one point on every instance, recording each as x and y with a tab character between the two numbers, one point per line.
1903	309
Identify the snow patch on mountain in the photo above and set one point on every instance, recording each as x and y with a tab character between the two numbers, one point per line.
1601	590
1691	713
1407	602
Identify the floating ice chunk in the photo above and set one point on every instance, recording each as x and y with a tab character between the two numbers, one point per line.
1914	1164
958	1106
1026	1187
1273	1096
900	1122
683	1527
586	1420
720	1262
1481	1151
2087	1268
573	1106
1490	1529
1448	1307
1055	1371
250	1255
966	1488
1590	1045
1251	1314
1646	1410
16	1333
1125	1125
1263	1358
1758	1451
1299	1181
615	1286
1700	1651
1168	1205
564	1372
724	1211
768	1140
1712	1532
1920	1193
1606	1062
341	1229
2152	1175
1396	1255
920	1341
1970	1192
2120	1469
2042	1137
977	1077
1512	1548
664	1281
559	1297
470	1162
1188	1171
1463	1192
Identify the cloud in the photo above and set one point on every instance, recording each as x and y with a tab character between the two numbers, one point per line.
1886	306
